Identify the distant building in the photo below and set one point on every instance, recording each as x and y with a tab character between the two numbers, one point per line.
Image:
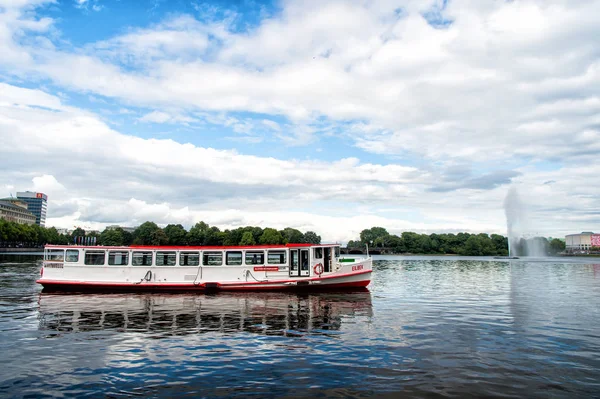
37	203
582	242
15	210
116	226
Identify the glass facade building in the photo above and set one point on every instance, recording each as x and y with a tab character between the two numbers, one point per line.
37	203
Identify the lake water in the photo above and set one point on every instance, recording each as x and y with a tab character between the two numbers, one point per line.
427	327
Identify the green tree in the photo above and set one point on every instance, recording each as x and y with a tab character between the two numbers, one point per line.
147	234
311	237
472	247
500	244
159	238
411	242
112	237
52	236
202	234
247	239
556	246
256	232
232	237
127	238
368	236
394	242
214	236
176	234
271	236
379	242
197	234
291	235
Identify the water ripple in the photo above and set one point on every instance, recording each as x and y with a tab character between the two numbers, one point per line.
427	328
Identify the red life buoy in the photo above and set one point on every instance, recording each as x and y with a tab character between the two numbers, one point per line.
318	269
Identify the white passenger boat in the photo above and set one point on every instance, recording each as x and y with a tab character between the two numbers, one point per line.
164	268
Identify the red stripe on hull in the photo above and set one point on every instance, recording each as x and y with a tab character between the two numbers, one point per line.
112	287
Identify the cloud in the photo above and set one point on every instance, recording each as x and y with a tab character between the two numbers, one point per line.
180	36
163	117
484	182
395	71
107	170
450	102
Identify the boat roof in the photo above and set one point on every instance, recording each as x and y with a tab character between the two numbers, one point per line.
194	247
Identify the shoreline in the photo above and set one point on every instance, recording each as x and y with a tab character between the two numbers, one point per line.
19	250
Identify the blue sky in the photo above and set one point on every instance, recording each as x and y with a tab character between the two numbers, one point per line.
321	115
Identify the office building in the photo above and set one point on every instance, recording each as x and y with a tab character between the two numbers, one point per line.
15	210
37	203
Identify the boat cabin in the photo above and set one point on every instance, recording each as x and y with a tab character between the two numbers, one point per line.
296	260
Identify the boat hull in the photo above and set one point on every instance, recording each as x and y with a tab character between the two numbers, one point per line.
348	282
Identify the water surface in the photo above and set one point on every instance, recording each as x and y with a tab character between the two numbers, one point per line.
427	327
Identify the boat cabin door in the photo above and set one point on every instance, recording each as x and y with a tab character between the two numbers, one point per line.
299	263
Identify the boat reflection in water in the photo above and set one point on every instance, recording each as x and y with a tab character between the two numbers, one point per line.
273	313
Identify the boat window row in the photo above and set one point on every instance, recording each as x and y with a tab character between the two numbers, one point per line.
170	258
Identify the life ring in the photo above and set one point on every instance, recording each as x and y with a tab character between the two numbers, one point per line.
318	269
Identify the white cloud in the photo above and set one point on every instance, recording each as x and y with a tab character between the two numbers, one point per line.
113	178
177	37
163	117
12	95
48	185
482	74
506	88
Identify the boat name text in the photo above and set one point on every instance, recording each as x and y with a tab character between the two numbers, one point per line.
266	269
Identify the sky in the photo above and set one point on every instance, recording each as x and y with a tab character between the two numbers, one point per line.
331	116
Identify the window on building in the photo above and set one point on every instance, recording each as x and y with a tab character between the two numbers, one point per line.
72	255
276	257
94	257
255	257
165	259
212	258
141	258
234	258
189	259
118	258
55	254
318	253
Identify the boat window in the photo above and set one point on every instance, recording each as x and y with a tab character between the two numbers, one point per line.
141	258
318	253
234	258
165	259
118	258
276	257
94	257
189	259
72	255
255	257
337	252
55	254
212	258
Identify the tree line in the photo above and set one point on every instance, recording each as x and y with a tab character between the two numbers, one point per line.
452	244
14	234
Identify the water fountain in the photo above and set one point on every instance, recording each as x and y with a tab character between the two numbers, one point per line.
517	229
